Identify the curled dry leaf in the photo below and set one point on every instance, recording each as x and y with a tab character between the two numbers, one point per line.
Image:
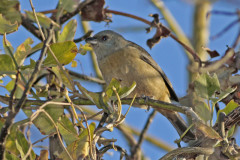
161	31
94	11
211	53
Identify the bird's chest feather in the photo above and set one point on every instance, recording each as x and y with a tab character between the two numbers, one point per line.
117	66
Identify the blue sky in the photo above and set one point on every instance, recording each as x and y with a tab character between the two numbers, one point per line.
168	53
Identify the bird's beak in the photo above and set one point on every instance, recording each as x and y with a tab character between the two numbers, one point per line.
91	40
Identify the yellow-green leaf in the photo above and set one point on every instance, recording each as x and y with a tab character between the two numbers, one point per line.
80	147
6	26
22	51
229	108
74	64
206	85
44	21
86	47
65	52
10	9
69	5
208	131
7	65
68	31
67	130
62	77
43	123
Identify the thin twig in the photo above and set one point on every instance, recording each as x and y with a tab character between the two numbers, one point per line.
143	133
174	26
110	146
86	27
85	77
35	16
92	152
224	30
29	143
237	40
40	140
26	23
86	35
13	92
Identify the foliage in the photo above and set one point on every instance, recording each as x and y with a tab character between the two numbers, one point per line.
53	101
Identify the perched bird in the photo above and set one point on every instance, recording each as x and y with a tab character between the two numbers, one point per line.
126	61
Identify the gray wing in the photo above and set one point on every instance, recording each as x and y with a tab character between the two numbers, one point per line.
146	57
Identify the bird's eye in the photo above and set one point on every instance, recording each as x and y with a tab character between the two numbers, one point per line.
104	38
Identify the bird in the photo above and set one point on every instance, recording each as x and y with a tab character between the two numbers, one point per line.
128	62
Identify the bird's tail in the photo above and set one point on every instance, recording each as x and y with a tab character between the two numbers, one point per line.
179	124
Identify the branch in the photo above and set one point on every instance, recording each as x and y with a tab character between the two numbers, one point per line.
85	77
230	120
188	152
136	149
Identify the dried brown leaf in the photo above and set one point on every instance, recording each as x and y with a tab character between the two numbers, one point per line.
94	11
161	32
211	53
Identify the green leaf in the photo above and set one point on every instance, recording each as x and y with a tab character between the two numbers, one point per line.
206	85
65	52
31	65
10	9
8	155
17	144
80	147
62	77
68	31
229	108
122	91
6	26
84	48
36	48
43	123
208	131
67	130
22	51
7	65
93	97
69	5
203	111
74	64
44	21
222	95
19	90
231	131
